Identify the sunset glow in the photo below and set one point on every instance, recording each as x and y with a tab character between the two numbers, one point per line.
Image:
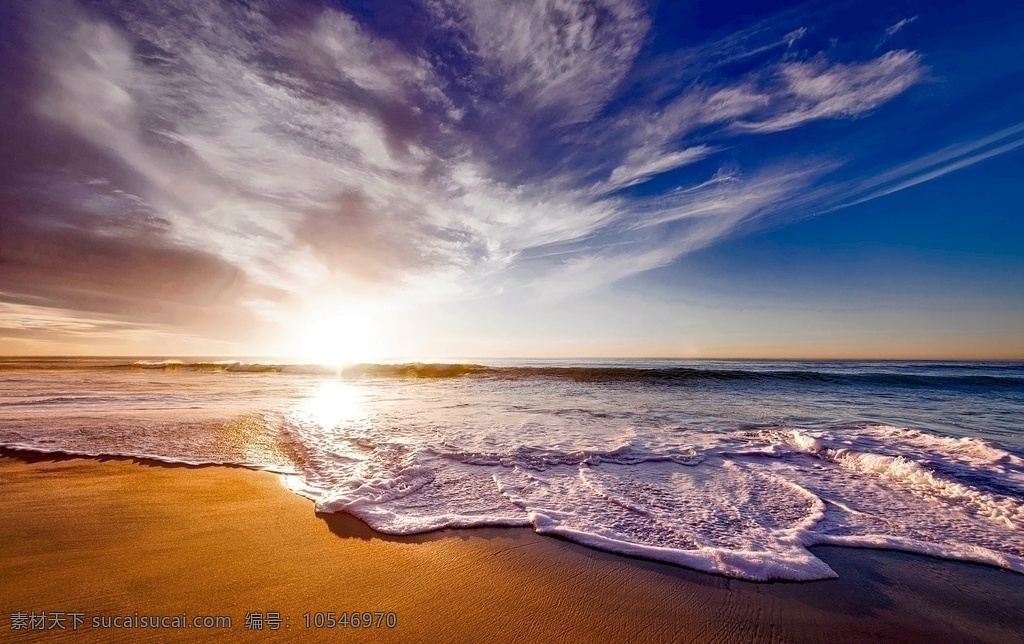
336	335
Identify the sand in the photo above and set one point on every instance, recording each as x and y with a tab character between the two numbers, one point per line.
110	537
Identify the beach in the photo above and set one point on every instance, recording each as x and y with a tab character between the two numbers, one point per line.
119	536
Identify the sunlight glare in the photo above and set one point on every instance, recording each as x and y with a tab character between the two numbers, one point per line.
334	404
337	336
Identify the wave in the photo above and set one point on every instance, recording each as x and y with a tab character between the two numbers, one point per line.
50	400
231	367
677	375
225	366
30	452
421	370
897	375
534	458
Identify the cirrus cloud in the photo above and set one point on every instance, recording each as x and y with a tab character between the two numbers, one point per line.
253	155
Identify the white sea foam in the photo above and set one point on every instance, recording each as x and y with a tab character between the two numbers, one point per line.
615	466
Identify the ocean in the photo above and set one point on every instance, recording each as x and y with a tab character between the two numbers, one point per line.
731	467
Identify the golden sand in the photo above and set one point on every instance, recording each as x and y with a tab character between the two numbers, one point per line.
116	536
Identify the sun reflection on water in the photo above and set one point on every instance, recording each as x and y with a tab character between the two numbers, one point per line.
333	404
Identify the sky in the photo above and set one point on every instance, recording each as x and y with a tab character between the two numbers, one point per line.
437	179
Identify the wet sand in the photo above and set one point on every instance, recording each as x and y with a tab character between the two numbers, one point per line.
108	537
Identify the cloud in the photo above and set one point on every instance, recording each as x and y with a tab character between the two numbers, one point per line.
794	36
794	93
565	55
661	229
643	163
68	332
933	166
892	29
107	266
811	91
698	107
179	161
238	150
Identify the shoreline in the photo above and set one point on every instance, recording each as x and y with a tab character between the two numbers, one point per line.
116	535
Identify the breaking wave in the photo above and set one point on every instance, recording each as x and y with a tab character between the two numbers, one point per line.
943	375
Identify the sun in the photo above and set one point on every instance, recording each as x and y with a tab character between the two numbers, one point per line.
337	335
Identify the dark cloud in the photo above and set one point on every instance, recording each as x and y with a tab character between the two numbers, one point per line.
359	240
131	271
367	245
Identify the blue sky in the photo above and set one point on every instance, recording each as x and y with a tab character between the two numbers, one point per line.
562	178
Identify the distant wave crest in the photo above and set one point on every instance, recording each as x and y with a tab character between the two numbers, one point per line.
672	375
667	375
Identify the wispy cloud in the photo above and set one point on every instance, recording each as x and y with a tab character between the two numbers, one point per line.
661	229
71	331
273	154
643	163
564	55
934	165
810	91
794	36
892	29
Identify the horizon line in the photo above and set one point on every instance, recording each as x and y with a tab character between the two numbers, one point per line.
463	359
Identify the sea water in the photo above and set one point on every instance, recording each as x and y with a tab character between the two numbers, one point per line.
731	467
